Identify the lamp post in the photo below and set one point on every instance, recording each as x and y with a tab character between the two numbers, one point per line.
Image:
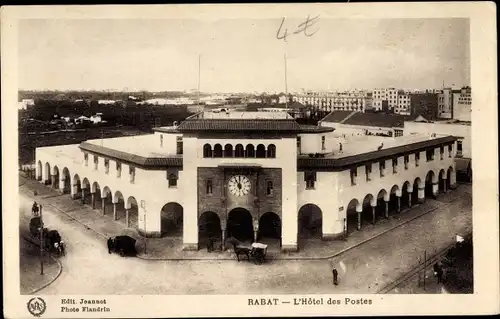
41	242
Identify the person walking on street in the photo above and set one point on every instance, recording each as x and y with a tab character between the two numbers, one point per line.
35	209
335	276
438	272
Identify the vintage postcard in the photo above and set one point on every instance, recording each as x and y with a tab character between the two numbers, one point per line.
250	160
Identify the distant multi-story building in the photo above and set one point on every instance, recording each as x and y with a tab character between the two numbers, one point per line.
336	101
404	103
380	95
462	104
445	104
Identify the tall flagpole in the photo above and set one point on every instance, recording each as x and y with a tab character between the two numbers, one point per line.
286	88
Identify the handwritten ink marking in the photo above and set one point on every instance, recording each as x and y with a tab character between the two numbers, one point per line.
279	30
304	25
301	28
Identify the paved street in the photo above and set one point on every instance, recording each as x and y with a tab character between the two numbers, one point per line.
89	269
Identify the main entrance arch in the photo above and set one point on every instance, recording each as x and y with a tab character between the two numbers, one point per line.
239	224
269	226
172	219
310	221
208	227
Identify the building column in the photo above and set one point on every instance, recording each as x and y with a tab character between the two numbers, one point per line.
62	184
223	225
93	200
359	210
103	205
386	208
114	211
398	209
409	199
83	196
444	185
127	220
373	214
74	191
421	194
435	189
255	224
53	181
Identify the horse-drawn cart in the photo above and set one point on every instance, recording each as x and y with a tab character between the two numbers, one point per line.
51	238
256	251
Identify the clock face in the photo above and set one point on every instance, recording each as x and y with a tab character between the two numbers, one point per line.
239	185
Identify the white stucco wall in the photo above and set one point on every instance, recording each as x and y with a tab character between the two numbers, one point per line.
311	143
459	130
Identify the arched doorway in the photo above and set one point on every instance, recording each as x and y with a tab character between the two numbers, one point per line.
209	227
172	219
77	187
405	199
380	209
47	174
442	181
97	199
119	203
67	181
429	180
107	199
310	222
239	225
269	228
56	174
39	171
393	200
86	190
367	214
133	212
351	224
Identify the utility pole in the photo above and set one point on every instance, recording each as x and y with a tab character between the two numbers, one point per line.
41	241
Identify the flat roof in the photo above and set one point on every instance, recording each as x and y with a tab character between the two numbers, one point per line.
137	150
359	152
71	151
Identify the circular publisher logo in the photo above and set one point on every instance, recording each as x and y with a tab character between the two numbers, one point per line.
36	306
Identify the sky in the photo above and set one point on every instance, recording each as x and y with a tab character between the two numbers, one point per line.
242	55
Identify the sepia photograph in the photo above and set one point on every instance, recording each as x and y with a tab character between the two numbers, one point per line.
308	155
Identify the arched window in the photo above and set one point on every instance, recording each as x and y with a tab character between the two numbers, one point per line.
209	187
269	188
207	150
250	151
261	151
228	150
239	151
217	150
271	151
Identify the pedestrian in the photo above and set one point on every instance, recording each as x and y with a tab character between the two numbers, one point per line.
340	147
438	272
335	276
35	209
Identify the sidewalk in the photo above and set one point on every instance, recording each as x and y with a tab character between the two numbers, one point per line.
170	248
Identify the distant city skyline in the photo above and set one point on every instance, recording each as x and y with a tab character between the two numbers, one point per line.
243	55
